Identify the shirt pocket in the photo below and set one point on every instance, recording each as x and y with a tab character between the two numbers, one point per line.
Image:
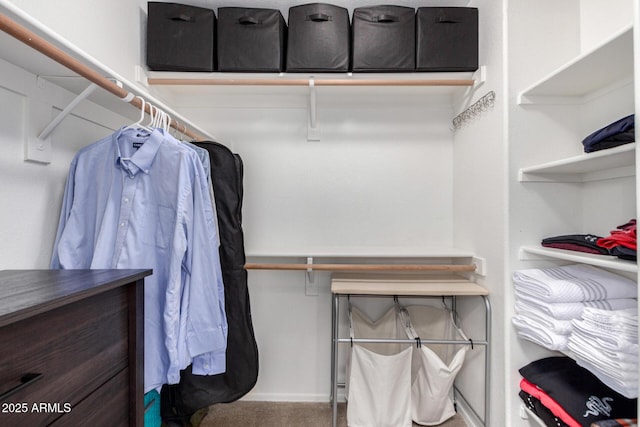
159	225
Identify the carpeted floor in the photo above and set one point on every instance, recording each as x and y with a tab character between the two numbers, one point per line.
283	414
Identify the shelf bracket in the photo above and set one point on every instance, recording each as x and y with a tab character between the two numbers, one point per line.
68	109
313	132
311	283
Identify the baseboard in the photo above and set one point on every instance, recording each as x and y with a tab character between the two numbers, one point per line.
465	411
286	397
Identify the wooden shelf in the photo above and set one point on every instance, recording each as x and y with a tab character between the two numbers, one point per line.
156	78
604	164
414	285
607	66
605	261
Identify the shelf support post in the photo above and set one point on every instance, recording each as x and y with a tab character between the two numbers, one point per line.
313	132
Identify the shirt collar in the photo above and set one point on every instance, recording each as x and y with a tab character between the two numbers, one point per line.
142	159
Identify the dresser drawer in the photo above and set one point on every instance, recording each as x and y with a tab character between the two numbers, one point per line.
75	349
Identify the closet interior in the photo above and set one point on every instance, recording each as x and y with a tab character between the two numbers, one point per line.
390	171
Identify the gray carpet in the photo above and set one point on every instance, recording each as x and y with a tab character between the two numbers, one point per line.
283	414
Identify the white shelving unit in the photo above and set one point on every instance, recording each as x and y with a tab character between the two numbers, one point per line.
605	67
591	88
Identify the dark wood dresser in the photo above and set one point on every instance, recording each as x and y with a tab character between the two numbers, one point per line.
71	347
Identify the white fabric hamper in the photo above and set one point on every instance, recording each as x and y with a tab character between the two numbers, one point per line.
378	375
395	384
434	366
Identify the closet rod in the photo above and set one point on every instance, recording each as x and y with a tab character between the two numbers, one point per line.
305	82
41	45
361	267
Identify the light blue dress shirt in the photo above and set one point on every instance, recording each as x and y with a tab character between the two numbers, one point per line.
137	200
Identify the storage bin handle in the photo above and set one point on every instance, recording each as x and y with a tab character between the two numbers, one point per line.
385	18
318	17
445	20
182	17
248	20
25	380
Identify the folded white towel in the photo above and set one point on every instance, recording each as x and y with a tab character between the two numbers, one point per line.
562	327
609	341
531	331
626	387
573	310
609	357
573	283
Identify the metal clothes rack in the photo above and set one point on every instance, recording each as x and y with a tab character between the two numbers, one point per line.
43	46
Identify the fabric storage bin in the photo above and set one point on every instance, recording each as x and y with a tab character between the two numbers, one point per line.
447	39
378	387
383	39
251	39
180	37
318	38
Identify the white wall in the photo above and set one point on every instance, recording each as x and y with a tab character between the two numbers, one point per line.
32	192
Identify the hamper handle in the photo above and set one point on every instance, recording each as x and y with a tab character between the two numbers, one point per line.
182	17
248	20
386	18
25	380
319	17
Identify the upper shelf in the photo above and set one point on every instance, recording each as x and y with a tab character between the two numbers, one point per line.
604	164
157	78
604	261
606	66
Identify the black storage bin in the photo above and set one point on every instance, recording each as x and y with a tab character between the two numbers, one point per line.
383	38
447	39
180	37
318	38
251	39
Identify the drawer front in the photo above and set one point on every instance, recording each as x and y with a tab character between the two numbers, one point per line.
105	407
75	349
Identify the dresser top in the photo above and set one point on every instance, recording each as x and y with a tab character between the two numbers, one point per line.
26	293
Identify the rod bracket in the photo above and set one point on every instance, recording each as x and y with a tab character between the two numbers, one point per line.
310	279
313	131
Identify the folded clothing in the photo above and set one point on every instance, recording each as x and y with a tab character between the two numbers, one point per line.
546	321
577	391
541	411
533	332
622	242
576	242
620	132
573	310
618	422
573	283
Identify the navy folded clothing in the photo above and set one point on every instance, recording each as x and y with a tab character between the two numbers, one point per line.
617	133
576	242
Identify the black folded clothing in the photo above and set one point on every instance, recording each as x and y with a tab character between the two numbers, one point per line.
617	133
577	390
576	242
541	411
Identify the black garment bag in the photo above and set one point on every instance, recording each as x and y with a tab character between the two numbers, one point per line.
180	401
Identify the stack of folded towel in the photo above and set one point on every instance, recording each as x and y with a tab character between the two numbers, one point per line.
606	343
548	299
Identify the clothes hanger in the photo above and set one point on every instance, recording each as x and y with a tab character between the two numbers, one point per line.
138	124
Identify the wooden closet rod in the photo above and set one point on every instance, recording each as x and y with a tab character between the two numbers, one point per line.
41	45
361	267
305	82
